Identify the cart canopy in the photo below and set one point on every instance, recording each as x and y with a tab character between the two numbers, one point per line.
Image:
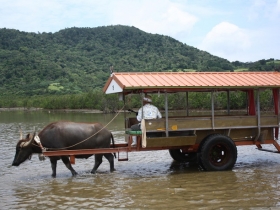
133	82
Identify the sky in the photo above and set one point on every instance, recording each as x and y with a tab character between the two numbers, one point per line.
237	30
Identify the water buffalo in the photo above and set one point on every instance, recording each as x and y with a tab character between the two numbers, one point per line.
67	135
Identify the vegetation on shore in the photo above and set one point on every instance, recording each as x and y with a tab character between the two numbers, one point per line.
110	103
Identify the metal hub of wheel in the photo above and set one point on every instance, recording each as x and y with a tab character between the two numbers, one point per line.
219	155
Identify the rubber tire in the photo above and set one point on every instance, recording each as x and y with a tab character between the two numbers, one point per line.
178	156
217	153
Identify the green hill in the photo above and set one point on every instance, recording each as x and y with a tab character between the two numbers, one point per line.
78	60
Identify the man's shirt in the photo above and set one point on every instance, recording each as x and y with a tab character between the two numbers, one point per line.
149	112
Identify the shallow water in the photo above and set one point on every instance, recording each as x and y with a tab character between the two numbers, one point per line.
149	180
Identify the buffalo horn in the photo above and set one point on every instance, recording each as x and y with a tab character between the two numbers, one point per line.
28	143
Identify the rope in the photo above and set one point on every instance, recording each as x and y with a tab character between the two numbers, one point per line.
87	137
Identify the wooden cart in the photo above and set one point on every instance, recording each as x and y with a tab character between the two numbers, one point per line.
210	140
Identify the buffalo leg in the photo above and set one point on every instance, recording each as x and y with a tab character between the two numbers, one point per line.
110	158
68	165
53	163
98	161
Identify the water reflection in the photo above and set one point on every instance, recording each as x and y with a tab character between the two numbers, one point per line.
149	180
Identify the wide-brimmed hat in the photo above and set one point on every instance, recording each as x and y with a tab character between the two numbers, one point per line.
147	99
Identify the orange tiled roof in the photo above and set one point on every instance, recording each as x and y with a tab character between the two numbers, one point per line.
125	82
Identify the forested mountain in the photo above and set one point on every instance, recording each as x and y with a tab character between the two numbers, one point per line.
77	60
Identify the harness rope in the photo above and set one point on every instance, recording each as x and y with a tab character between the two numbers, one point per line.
45	148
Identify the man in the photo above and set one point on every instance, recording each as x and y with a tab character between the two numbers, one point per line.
148	111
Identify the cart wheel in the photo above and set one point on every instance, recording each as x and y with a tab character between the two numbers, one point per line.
179	156
217	153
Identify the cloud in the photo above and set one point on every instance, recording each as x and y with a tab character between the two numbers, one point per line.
157	16
277	9
261	9
256	9
27	15
52	15
226	40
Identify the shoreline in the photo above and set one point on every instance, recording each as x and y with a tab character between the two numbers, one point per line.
50	110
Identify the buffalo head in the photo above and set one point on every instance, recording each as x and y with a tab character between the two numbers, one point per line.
23	149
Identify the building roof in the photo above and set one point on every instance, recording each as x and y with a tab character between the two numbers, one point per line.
183	81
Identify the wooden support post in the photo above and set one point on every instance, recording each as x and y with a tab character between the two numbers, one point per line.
129	142
277	146
228	103
72	159
138	139
258	116
166	115
212	110
187	100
